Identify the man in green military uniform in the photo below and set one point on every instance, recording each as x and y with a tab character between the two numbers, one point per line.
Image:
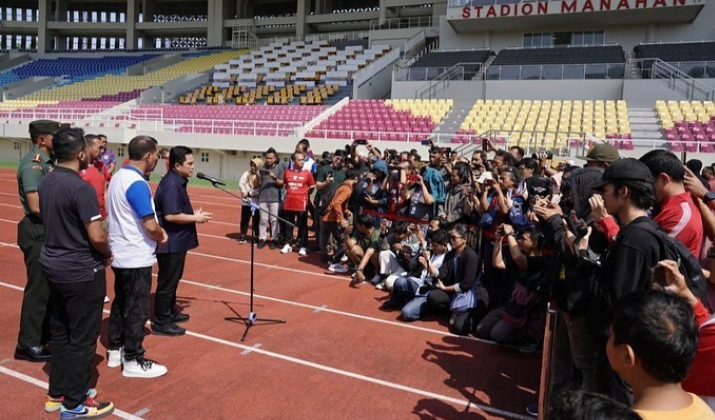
34	316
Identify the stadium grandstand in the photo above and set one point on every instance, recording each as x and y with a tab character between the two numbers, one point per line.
636	75
231	79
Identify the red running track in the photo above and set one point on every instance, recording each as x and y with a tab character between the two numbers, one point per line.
337	357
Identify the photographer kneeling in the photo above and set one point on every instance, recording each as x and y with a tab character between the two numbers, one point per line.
457	275
413	289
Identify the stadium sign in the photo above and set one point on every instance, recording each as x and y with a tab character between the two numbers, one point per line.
561	7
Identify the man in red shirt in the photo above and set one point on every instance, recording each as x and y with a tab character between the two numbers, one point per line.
700	379
93	173
676	213
297	184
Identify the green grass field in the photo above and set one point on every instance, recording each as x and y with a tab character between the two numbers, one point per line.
155	178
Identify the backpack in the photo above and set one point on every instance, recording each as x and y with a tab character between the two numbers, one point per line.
673	249
322	200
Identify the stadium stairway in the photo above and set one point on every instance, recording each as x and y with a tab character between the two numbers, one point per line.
632	69
453	120
645	125
483	70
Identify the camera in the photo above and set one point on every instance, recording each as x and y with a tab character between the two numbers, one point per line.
264	171
361	141
425	288
548	155
576	225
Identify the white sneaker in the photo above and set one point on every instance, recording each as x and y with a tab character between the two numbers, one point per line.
143	368
114	357
106	299
286	249
303	252
337	268
344	259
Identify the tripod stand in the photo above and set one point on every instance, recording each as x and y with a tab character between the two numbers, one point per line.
252	317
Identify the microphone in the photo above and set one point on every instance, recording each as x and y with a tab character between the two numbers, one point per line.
210	179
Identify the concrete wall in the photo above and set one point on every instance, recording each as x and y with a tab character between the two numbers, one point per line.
393	37
170	91
25	87
518	89
555	89
457	90
154	64
14	60
627	36
377	87
8	152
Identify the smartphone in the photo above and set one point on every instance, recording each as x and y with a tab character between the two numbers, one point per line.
264	171
412	177
361	141
485	145
426	142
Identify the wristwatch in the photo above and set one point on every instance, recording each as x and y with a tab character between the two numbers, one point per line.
709	196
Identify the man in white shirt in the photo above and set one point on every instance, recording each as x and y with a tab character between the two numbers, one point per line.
134	234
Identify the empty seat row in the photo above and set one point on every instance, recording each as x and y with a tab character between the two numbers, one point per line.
560	55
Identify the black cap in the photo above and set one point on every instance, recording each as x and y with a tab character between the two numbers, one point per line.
44	127
538	185
628	169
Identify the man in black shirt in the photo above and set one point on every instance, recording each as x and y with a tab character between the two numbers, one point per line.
628	192
73	258
177	217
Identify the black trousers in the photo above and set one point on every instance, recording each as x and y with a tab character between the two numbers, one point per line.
302	223
75	329
439	301
246	216
36	307
171	268
130	310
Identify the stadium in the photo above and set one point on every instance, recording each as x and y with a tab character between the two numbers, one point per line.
231	79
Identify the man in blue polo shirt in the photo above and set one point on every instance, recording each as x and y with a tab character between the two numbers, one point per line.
73	258
134	234
177	217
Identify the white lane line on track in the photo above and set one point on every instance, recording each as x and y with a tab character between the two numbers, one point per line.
44	385
314	308
248	351
353	375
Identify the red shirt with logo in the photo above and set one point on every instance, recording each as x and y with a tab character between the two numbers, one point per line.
92	176
681	220
296	184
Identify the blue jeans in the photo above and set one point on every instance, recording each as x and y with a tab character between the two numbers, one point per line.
403	289
414	308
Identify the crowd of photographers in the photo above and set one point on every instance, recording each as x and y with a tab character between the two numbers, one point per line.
620	247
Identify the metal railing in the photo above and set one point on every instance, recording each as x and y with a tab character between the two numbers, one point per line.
676	80
556	71
411	46
696	69
368	72
401	23
458	72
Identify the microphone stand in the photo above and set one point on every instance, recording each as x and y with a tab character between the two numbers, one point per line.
252	317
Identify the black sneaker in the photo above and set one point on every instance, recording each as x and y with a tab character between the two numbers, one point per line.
272	245
261	244
169	328
242	239
36	354
180	317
